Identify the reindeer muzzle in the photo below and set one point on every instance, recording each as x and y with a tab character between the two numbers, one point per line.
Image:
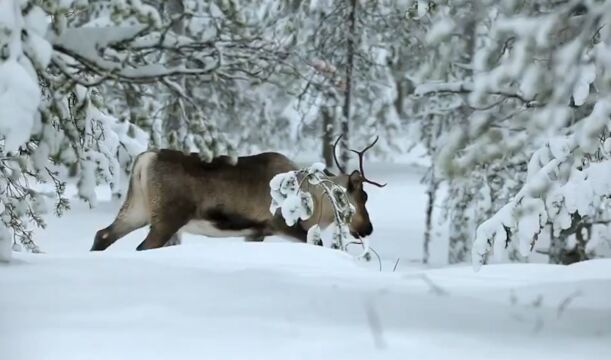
364	232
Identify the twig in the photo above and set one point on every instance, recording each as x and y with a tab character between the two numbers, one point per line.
567	301
396	264
370	249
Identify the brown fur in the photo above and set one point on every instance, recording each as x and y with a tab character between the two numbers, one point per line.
177	188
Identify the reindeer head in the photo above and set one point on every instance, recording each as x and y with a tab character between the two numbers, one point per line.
360	226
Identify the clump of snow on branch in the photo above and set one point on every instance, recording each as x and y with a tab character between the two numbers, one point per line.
293	203
19	92
19	100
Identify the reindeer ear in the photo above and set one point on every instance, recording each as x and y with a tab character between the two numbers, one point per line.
355	180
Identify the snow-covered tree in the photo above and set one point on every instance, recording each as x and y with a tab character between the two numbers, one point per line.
341	79
539	88
431	57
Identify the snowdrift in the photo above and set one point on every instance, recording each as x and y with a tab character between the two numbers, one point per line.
294	301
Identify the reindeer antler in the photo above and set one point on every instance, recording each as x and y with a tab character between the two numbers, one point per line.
361	156
339	167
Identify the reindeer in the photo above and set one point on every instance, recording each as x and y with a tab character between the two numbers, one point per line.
174	192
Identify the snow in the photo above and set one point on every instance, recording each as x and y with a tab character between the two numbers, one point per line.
19	97
314	236
593	125
86	42
561	148
19	92
530	81
295	301
582	87
37	47
230	299
37	21
292	208
530	226
441	30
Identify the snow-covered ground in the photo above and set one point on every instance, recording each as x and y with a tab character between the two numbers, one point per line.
227	299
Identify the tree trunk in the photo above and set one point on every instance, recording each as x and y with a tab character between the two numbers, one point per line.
558	252
73	170
431	193
461	234
345	124
404	88
459	240
327	136
174	126
132	99
583	234
5	244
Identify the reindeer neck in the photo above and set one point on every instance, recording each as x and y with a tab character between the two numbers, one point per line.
323	215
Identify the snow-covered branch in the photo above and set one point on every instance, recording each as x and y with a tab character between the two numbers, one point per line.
301	196
558	188
532	84
461	87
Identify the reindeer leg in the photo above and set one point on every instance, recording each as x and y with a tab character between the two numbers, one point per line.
118	229
158	236
166	220
133	215
296	231
255	238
